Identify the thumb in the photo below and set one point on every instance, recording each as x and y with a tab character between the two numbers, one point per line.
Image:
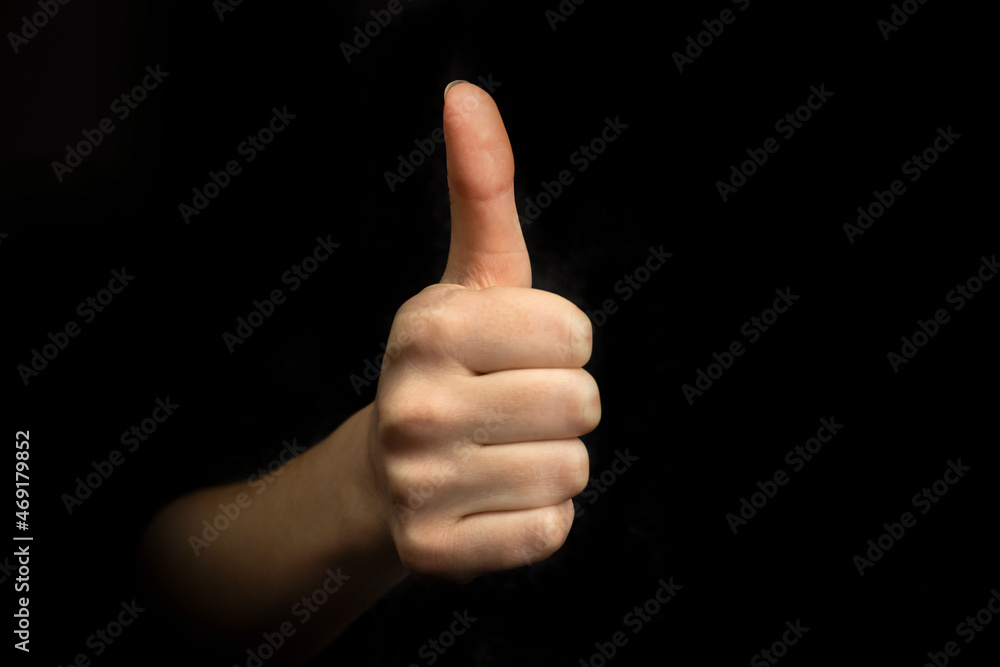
487	247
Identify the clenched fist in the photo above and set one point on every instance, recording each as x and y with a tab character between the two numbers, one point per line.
466	461
473	438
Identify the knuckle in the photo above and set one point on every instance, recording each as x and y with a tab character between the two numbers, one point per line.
408	327
428	550
404	484
406	421
416	545
412	483
438	325
391	423
430	319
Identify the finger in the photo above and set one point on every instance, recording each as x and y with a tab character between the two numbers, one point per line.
527	405
523	405
487	247
519	476
499	328
495	541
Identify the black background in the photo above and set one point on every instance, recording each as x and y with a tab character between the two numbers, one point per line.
324	175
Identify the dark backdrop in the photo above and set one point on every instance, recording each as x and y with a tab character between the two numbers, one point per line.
656	185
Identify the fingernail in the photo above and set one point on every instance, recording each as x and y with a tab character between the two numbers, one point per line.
453	83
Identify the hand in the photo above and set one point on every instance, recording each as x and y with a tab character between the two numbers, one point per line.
473	434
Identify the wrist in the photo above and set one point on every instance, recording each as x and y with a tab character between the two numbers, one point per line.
356	488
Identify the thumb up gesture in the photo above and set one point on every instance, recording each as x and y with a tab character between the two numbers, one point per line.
473	439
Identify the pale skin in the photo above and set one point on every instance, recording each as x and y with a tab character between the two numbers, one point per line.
465	463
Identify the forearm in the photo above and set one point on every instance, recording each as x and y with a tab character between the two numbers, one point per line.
318	514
